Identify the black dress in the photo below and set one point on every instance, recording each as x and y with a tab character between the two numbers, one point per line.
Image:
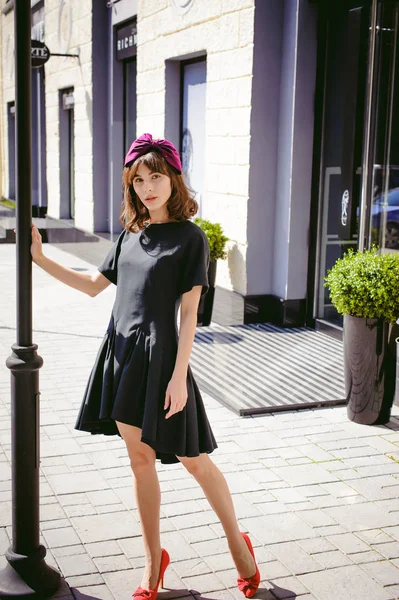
135	362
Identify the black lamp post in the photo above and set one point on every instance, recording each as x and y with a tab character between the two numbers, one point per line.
26	574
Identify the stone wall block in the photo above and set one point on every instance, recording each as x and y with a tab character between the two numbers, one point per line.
236	5
151	81
150	7
151	103
229	121
246	31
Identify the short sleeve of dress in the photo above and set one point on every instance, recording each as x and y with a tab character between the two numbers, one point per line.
195	263
109	267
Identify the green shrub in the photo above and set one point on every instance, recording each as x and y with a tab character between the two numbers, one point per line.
366	284
216	238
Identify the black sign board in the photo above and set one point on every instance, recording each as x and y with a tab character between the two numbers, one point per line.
39	53
126	41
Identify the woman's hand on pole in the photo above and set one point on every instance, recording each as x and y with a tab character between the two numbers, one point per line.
36	248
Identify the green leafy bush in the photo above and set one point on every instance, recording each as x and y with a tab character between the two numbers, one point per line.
216	238
366	284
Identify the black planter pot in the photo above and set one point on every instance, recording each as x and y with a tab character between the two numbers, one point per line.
369	370
206	303
396	400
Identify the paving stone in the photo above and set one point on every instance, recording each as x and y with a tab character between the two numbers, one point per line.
173	496
362	516
59	448
199	534
77	482
57	524
311	491
4	541
106	564
287	587
80	564
109	526
269	530
288	495
68	550
204	583
5	514
264	475
259	441
365	557
389	549
393	532
74	460
348	543
57	538
351	582
99	592
194	567
388	505
339	489
384	572
317	518
110	508
181	508
393	591
315	453
103	497
330	530
186	521
73	499
332	559
295	558
304	475
51	512
78	510
131	547
299	461
81	580
103	549
210	547
316	545
274	508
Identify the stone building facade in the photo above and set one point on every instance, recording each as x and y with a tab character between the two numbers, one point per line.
254	93
214	76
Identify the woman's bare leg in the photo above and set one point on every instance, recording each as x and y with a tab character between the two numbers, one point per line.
218	494
148	498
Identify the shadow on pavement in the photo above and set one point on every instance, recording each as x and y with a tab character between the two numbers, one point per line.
273	593
214	337
80	596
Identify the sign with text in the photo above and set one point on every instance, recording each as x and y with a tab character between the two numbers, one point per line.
39	53
126	41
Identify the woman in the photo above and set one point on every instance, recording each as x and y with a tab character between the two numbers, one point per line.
141	386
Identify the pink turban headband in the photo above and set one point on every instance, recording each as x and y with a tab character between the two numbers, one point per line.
145	143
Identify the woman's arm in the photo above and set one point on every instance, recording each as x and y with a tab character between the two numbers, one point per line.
176	394
91	284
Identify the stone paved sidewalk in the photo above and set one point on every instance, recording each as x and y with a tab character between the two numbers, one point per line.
317	493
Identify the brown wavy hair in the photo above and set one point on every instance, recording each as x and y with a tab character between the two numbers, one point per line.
181	204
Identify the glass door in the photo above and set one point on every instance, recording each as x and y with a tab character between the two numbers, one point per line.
359	160
382	227
346	27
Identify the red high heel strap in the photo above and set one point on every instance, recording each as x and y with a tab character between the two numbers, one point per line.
250	585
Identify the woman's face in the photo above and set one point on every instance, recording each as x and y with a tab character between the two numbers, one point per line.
153	189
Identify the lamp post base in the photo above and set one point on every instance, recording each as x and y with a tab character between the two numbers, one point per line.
28	577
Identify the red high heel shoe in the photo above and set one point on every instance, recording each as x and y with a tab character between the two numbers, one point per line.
249	586
141	594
